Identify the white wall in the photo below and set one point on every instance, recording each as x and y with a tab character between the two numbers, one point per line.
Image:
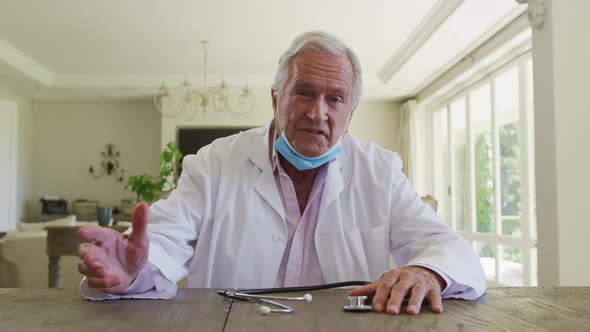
562	123
69	137
8	151
24	138
372	120
377	122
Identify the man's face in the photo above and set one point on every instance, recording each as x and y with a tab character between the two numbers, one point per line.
316	104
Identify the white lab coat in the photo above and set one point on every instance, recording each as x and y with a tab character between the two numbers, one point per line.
225	226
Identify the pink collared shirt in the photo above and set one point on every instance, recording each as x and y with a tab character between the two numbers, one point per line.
300	265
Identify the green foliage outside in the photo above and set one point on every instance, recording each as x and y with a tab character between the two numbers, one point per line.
510	186
145	186
484	187
461	187
510	178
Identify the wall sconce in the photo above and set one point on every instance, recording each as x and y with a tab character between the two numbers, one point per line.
110	164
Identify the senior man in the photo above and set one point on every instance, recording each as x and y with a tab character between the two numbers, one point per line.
298	202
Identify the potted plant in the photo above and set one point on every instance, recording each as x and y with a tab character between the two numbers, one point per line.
147	187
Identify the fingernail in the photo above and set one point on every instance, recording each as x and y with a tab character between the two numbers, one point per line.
378	307
412	309
393	309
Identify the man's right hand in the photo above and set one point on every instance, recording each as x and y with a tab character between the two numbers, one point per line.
113	259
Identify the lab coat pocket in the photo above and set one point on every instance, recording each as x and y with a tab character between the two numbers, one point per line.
372	245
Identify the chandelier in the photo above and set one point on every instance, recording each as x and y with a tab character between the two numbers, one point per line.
173	102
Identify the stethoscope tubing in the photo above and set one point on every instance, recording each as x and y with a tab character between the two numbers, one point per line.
294	289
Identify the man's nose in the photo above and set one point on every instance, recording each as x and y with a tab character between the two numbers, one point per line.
318	110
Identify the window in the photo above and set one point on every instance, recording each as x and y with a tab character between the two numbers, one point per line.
483	171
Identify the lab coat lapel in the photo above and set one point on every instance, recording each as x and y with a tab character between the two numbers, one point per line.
339	248
265	184
332	189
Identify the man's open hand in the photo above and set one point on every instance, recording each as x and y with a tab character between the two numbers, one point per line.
392	287
113	260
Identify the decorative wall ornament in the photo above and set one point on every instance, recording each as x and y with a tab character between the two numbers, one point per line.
172	102
109	164
537	13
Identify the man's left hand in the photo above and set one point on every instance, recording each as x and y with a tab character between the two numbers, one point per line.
392	287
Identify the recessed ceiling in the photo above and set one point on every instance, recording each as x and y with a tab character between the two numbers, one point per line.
78	50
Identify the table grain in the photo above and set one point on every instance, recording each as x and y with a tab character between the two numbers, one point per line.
64	310
501	309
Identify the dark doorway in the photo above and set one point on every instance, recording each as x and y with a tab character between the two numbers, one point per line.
190	140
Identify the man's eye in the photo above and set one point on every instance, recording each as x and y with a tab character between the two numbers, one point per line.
302	93
336	99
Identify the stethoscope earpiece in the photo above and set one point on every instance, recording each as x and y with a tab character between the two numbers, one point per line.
265	310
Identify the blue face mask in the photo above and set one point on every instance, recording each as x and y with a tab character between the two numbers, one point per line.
302	162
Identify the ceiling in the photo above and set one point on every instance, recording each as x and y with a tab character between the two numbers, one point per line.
124	49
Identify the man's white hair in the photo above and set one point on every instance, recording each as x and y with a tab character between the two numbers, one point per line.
323	42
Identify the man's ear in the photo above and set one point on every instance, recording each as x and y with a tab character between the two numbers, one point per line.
273	95
349	119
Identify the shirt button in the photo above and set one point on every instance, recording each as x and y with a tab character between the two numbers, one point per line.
277	237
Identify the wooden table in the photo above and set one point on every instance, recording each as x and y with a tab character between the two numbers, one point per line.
501	309
63	241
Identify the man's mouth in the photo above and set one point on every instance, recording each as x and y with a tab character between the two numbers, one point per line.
315	131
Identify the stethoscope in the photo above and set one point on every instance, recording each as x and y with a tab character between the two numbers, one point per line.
356	303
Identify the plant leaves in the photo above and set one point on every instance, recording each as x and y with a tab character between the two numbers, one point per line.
145	185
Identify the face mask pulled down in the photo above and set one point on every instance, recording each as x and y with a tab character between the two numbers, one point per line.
300	161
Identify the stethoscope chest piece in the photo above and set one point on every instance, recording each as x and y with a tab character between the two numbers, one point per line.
357	303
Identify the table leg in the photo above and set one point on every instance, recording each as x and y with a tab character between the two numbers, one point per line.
54	271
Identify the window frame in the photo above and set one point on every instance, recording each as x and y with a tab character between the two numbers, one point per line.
527	242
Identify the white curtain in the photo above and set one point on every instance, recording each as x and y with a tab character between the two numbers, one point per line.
415	145
406	137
